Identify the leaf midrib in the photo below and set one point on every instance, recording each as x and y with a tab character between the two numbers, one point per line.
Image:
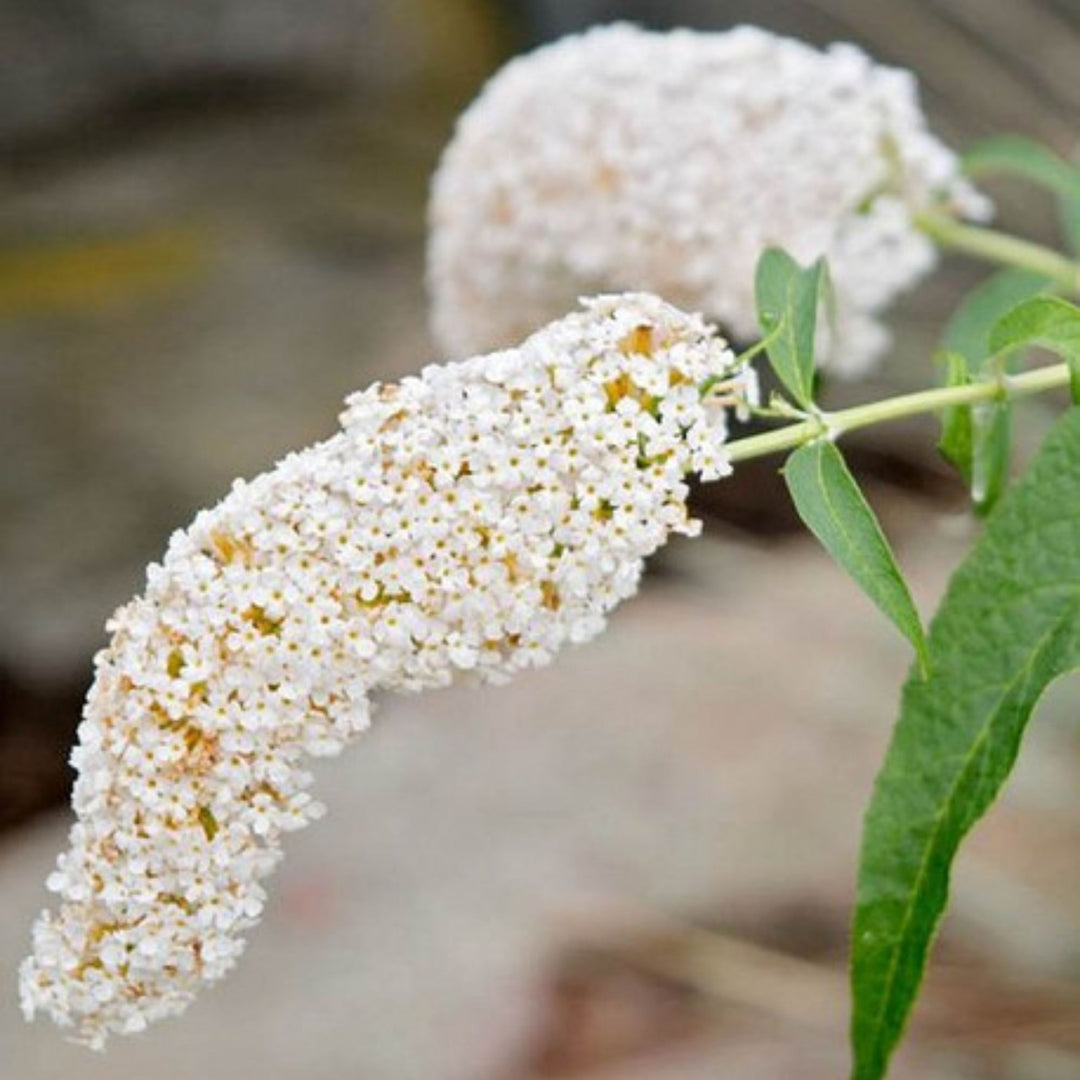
918	640
943	813
852	546
800	389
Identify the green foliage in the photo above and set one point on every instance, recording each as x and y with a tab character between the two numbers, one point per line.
968	336
1046	321
1019	156
1069	208
1015	155
829	501
1008	626
968	330
788	297
991	424
956	443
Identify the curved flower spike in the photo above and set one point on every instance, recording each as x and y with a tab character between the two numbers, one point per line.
621	159
472	519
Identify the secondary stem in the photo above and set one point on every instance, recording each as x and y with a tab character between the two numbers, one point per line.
1002	248
832	425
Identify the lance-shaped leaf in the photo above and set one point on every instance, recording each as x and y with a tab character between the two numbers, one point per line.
1070	220
968	329
977	439
968	335
991	456
788	296
830	503
1069	210
1017	155
956	444
1008	626
1046	321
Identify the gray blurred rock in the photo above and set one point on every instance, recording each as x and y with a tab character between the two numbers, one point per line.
985	65
59	62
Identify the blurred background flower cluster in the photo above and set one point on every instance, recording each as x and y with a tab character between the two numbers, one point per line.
635	864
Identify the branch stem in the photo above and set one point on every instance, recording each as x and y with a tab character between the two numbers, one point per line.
999	247
833	425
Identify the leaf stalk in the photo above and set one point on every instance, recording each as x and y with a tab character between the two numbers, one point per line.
1000	247
835	424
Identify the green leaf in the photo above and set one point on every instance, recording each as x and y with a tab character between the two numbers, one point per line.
787	301
1016	155
830	503
1069	212
1046	321
1004	307
1019	156
1070	220
1008	626
991	453
956	444
968	334
968	331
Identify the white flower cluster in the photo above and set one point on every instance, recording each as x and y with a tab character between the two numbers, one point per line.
625	159
474	518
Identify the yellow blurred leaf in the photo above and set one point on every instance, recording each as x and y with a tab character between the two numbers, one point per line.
87	275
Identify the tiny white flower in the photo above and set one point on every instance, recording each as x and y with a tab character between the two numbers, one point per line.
474	518
621	158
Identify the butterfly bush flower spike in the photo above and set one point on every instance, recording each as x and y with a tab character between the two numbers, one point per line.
622	159
474	518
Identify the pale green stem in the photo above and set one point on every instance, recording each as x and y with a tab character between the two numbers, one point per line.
833	425
999	247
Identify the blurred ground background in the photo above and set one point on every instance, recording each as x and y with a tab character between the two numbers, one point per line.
636	864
